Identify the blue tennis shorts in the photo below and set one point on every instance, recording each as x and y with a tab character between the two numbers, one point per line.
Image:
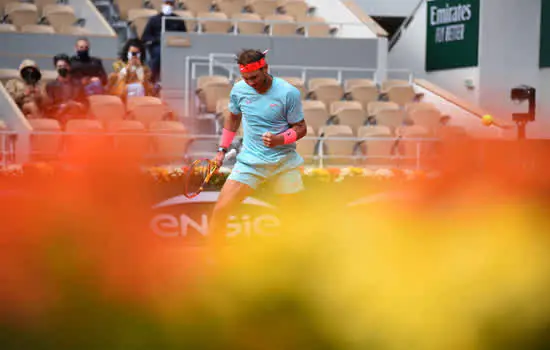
283	180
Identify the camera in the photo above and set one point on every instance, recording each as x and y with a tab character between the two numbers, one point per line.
524	93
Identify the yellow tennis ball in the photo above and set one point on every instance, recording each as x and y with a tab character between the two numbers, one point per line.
487	119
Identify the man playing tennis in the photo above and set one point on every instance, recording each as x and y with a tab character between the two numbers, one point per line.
271	112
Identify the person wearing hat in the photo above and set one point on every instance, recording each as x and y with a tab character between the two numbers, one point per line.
28	92
153	30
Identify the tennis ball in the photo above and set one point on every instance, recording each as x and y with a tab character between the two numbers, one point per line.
487	119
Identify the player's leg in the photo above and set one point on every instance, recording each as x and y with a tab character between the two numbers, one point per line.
289	187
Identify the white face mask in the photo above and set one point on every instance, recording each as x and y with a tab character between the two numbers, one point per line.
167	9
130	55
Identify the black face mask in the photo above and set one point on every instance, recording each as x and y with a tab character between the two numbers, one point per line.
30	75
63	72
83	54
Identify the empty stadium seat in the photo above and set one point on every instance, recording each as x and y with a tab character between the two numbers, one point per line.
231	7
138	19
197	6
264	8
338	151
351	83
124	6
190	22
170	141
364	94
411	150
41	4
376	106
7	27
414	106
106	108
73	30
315	27
315	113
59	16
205	79
378	149
249	27
45	146
401	95
374	131
130	137
88	137
212	92
213	26
327	93
387	84
428	118
297	83
390	118
296	8
315	82
146	109
348	113
281	25
306	146
20	14
37	29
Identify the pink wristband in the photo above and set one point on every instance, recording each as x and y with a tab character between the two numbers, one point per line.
290	136
227	138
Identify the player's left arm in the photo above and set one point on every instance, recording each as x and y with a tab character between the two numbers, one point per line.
295	117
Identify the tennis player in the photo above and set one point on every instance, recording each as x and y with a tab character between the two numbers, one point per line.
270	110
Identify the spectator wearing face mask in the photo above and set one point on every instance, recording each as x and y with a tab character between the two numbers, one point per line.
87	68
152	33
132	77
28	92
66	96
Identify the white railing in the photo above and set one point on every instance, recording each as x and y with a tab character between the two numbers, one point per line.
334	27
318	154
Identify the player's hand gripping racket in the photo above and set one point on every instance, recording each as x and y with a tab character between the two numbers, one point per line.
199	174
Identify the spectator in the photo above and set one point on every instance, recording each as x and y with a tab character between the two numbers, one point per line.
28	92
152	32
132	77
88	69
66	96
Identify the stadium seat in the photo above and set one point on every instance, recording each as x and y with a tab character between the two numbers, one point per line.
91	139
327	93
7	27
315	82
264	8
126	140
387	84
155	4
376	106
364	94
197	6
20	14
37	29
73	30
412	149
249	27
379	149
281	25
390	118
190	22
212	92
351	83
315	27
138	19
338	151
231	7
45	146
349	113
297	83
429	119
213	26
41	4
59	16
415	106
306	147
106	108
146	109
401	95
315	113
124	6
206	79
169	140
296	8
374	131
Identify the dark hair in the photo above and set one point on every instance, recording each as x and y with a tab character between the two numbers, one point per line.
82	38
248	56
61	57
135	43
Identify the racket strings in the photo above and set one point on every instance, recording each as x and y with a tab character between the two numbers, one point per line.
198	176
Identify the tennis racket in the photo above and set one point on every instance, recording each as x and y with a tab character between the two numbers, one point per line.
199	174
